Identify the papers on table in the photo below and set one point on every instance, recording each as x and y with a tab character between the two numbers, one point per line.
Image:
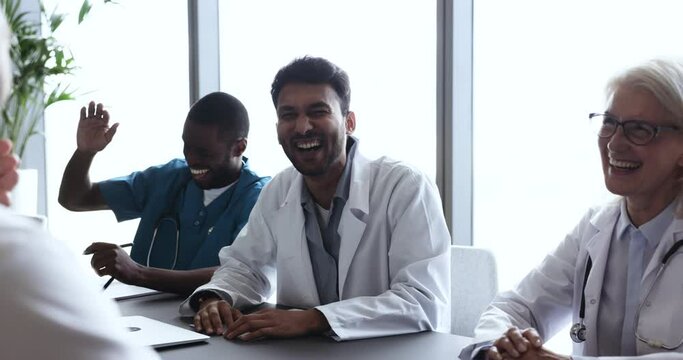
120	291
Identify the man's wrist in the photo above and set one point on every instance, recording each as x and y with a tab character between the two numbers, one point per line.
318	324
85	154
141	276
201	298
202	301
481	352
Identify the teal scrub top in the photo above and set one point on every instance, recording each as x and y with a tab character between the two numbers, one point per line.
176	230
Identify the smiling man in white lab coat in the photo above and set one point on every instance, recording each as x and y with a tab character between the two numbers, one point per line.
361	246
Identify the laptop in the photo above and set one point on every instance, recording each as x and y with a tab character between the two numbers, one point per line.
149	332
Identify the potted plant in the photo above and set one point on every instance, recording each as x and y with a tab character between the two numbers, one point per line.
41	67
40	62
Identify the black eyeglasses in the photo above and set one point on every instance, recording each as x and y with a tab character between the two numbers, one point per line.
636	131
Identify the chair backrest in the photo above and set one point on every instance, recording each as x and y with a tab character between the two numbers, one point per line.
474	283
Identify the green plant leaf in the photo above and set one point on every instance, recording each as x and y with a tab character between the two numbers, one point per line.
85	9
59	57
41	67
58	94
55	20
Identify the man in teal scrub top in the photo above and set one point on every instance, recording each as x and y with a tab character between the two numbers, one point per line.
189	209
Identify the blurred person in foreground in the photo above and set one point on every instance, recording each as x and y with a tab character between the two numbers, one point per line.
48	309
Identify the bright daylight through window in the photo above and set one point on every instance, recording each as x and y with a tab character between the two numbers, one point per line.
390	59
139	72
540	67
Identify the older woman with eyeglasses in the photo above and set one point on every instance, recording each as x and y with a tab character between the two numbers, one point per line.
619	273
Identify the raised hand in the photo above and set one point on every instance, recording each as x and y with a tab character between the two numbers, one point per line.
94	132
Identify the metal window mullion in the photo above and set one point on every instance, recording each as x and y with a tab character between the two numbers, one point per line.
204	48
454	115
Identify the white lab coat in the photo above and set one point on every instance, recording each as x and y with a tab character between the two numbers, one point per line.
551	294
49	308
394	257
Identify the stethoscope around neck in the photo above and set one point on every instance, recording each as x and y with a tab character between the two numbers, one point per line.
173	220
171	216
578	330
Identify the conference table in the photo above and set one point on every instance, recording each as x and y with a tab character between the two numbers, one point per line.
164	307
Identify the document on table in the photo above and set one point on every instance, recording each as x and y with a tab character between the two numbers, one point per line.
120	291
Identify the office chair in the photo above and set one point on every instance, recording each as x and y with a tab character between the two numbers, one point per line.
474	283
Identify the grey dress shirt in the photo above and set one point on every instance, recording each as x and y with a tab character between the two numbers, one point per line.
323	241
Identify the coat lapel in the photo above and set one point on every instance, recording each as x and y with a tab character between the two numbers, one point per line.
353	218
295	267
598	248
673	233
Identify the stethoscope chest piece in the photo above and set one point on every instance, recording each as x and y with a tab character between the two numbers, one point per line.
578	332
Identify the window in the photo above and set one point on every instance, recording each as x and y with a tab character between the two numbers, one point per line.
388	48
136	63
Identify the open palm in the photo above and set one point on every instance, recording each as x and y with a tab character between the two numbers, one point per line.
94	132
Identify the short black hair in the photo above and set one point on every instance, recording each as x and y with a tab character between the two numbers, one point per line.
313	70
224	110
